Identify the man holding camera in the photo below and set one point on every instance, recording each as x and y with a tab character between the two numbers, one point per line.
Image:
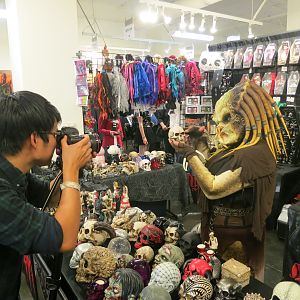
28	130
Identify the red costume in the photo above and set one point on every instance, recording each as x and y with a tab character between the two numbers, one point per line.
105	128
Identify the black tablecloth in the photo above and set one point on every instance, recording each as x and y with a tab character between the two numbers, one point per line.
73	289
167	184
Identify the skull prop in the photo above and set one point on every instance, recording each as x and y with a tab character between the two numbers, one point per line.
123	260
142	267
151	236
95	232
95	262
169	253
78	251
124	283
133	155
188	244
227	289
161	155
155	164
162	223
145	165
197	266
177	133
136	228
147	216
286	290
166	275
125	218
119	246
145	253
196	287
154	292
174	232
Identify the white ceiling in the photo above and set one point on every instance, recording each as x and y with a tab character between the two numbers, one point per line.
108	16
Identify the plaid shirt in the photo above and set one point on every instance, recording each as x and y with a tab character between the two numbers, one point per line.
24	229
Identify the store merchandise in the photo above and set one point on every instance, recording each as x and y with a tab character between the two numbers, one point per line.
238	58
280	82
210	61
248	57
256	78
268	82
228	57
293	82
283	53
269	54
258	56
295	52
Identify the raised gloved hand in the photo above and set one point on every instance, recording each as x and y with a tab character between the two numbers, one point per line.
181	147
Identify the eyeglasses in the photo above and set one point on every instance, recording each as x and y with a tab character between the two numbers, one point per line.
49	132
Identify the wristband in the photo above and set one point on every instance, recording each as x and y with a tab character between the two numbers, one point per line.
70	184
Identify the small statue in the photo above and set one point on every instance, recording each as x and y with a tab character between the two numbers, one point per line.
124	199
212	242
108	206
116	194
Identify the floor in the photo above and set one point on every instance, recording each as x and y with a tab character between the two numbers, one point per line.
273	256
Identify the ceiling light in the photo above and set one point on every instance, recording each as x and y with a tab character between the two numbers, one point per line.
202	28
3	14
192	22
149	16
167	19
182	24
213	28
130	49
250	33
232	38
193	36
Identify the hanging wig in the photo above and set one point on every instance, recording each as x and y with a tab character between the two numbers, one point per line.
261	116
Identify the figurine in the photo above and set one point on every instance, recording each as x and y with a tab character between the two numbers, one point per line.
213	242
125	199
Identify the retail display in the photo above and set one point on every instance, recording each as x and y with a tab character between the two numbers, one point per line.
293	82
283	53
269	54
238	58
295	52
280	82
258	56
248	57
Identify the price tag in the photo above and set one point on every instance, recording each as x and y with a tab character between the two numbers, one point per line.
284	69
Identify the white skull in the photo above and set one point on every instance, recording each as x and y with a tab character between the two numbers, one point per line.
145	253
133	233
177	133
161	155
147	153
169	253
88	233
154	153
145	165
171	235
78	251
287	290
147	216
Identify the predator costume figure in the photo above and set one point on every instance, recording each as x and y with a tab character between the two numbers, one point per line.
237	181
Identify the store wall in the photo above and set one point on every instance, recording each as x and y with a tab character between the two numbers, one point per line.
4	50
293	12
43	43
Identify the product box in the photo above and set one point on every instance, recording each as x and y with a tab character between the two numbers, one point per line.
237	271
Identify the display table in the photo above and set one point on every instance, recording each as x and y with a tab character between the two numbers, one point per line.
167	185
72	289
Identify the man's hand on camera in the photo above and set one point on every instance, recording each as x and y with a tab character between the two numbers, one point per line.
77	155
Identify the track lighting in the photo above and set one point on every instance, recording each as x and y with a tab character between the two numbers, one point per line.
149	15
202	28
192	22
250	33
167	19
213	28
182	24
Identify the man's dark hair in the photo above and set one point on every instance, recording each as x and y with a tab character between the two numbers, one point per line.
21	114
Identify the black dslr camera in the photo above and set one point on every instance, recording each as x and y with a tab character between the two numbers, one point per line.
74	137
